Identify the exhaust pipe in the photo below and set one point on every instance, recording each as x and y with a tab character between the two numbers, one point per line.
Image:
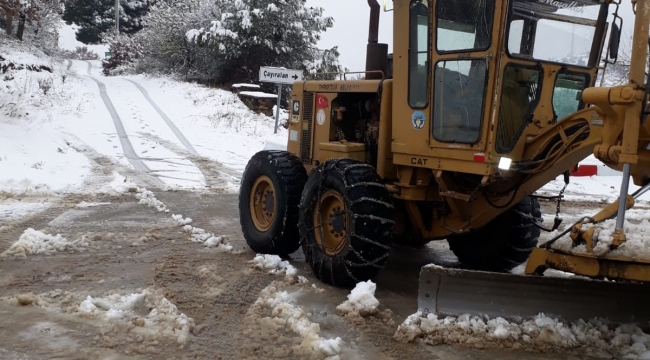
373	33
376	54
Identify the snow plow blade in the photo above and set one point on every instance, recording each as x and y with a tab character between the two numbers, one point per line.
454	292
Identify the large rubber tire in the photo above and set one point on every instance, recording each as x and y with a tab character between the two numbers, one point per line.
504	243
287	176
365	218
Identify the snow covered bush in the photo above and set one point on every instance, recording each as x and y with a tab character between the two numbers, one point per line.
167	49
124	54
248	34
81	53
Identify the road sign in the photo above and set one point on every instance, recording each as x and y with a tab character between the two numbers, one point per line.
108	54
280	75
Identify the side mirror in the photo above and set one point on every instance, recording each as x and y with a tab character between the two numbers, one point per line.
614	41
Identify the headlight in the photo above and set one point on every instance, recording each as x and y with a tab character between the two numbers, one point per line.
504	163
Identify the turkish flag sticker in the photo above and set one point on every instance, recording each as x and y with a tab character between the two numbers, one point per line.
321	102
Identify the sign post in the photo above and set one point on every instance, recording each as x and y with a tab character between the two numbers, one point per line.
279	76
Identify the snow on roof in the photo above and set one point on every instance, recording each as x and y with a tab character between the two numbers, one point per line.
252	86
258	95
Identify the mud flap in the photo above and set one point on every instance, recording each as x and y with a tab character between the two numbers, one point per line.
454	292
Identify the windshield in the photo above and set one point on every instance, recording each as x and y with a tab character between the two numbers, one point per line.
555	30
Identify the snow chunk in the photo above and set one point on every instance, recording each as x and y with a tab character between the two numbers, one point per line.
180	220
361	301
33	242
163	321
592	338
148	198
209	240
276	264
277	310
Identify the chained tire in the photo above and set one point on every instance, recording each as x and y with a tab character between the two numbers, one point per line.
346	223
269	196
502	244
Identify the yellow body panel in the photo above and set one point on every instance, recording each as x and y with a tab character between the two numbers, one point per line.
413	145
337	150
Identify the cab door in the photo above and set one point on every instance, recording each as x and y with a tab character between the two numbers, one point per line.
463	69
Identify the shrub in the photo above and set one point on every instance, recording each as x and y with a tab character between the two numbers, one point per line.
124	55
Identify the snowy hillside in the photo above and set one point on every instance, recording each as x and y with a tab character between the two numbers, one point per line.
52	109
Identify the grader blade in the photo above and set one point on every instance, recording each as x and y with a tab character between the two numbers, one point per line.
454	292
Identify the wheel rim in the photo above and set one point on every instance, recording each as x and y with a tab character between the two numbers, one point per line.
330	220
262	203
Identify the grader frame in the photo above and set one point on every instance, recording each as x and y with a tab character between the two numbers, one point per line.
480	105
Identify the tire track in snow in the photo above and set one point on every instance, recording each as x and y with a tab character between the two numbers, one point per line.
216	174
167	120
103	166
90	67
127	147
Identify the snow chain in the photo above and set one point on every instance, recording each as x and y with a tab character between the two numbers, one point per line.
351	232
557	221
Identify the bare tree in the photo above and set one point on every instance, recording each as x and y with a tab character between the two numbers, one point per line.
29	12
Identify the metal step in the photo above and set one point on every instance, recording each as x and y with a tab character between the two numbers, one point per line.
454	292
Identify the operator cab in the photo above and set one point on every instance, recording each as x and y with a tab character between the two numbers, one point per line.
481	86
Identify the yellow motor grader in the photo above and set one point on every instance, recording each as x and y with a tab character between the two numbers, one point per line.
481	103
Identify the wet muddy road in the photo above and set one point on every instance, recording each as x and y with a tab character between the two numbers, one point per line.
207	303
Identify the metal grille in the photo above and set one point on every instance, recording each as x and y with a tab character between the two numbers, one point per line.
307	124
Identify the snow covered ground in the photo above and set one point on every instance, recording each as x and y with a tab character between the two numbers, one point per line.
160	126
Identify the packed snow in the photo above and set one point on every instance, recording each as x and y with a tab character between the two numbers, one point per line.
361	301
592	338
147	313
636	246
33	242
11	210
275	264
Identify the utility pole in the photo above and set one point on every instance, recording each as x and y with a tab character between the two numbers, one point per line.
117	16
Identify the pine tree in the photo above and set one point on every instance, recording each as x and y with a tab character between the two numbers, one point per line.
96	17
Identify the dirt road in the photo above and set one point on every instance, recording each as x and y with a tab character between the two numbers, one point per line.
130	248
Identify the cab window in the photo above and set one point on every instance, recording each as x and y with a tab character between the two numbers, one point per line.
464	25
418	54
459	98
